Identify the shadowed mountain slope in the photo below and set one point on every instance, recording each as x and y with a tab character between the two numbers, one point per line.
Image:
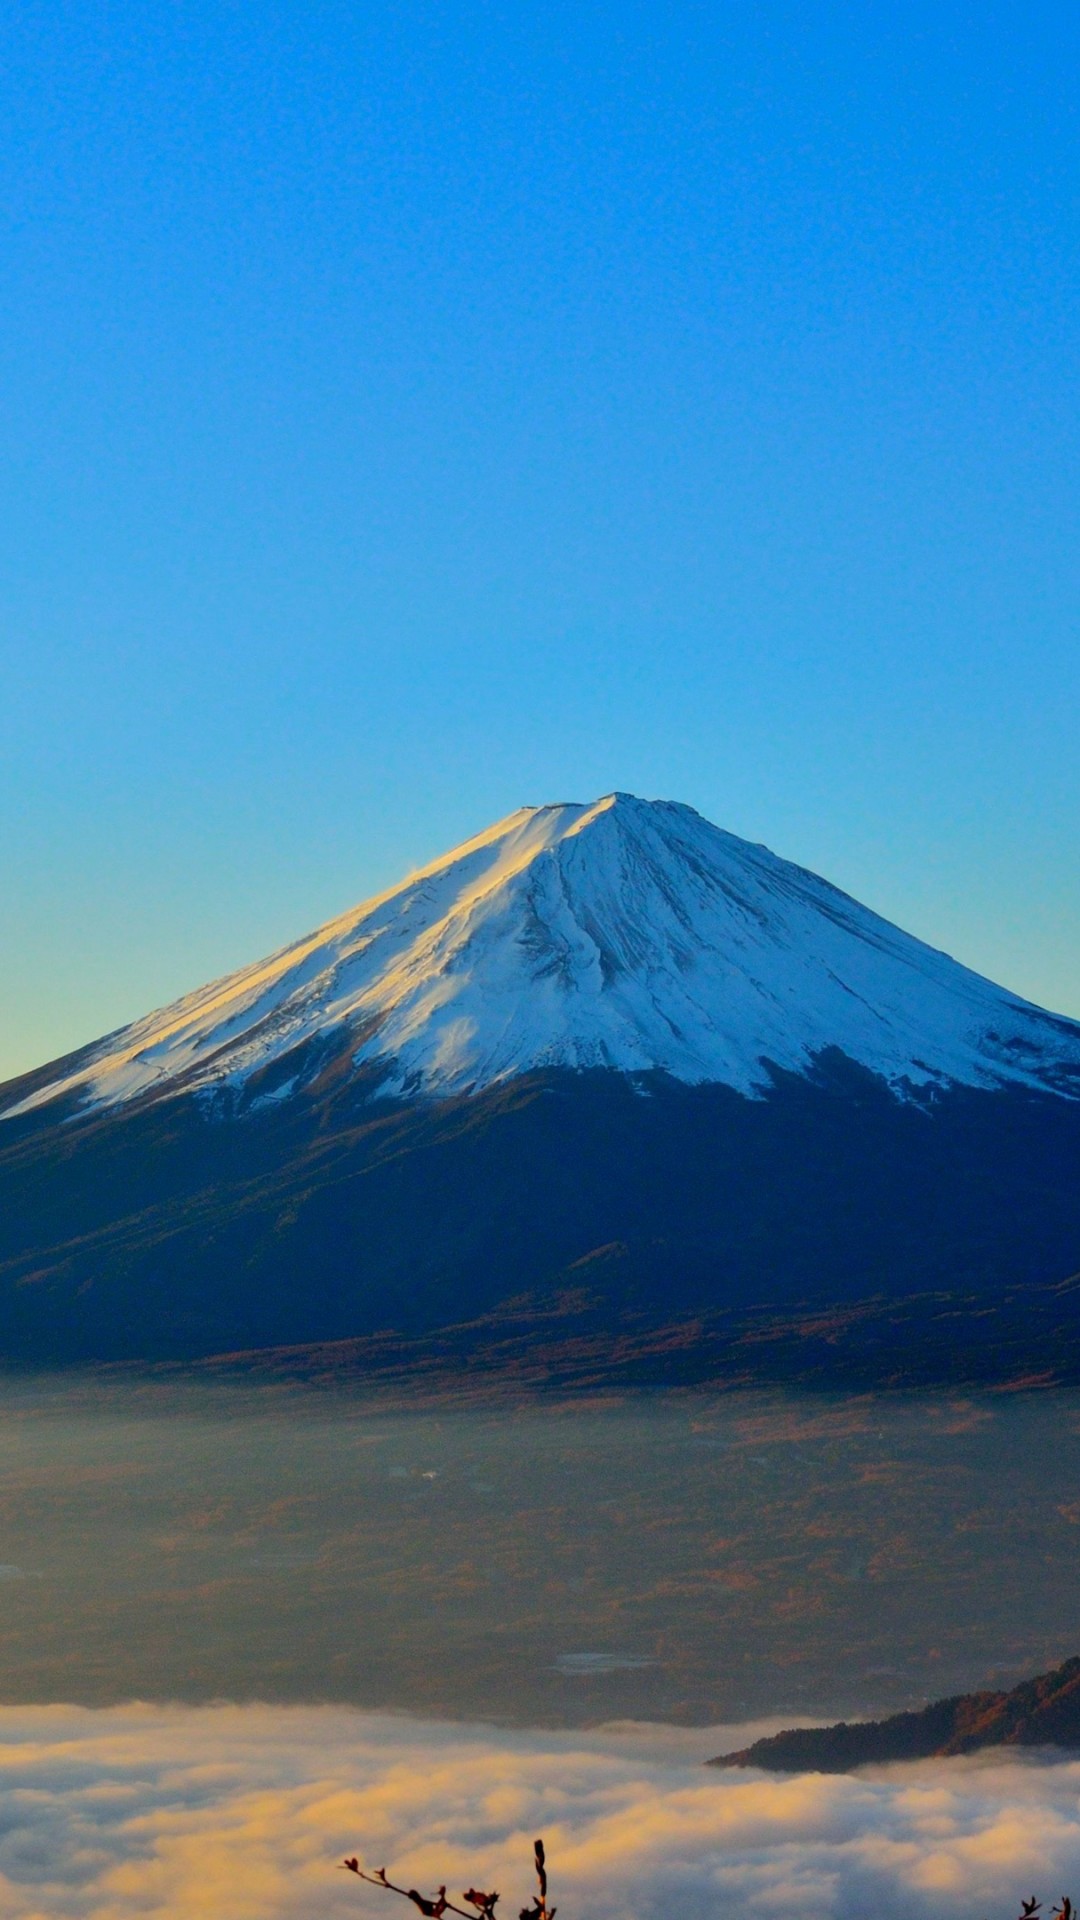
1038	1713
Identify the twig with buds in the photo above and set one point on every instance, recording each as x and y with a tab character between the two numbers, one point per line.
482	1904
540	1909
432	1909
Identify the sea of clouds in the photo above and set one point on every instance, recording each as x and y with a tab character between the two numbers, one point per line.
245	1811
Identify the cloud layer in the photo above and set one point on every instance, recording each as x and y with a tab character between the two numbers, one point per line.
244	1812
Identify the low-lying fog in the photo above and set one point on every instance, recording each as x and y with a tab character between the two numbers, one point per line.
681	1559
245	1812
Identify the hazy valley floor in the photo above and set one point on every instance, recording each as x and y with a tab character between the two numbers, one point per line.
676	1557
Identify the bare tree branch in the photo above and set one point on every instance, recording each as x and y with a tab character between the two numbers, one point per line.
483	1904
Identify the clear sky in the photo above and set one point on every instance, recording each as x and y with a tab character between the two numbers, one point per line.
411	411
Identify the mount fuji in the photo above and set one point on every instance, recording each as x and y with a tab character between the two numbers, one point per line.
606	1055
629	935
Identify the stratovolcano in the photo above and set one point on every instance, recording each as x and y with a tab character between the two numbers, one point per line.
607	1041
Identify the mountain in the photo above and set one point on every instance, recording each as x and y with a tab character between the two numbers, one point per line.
627	935
1038	1713
607	1056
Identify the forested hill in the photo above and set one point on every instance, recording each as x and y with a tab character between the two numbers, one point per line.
1040	1712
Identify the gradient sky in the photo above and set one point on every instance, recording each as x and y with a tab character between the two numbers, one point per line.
409	412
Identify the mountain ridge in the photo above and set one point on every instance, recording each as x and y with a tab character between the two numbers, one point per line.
1044	1711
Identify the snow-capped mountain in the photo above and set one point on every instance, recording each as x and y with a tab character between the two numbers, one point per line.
425	1123
625	934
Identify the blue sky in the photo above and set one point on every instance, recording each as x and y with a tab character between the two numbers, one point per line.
407	412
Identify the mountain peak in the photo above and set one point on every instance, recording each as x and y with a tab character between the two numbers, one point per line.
620	933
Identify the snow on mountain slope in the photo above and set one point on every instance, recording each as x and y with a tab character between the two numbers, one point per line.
627	934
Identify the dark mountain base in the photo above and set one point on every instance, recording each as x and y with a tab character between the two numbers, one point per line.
1027	1338
1040	1712
828	1231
